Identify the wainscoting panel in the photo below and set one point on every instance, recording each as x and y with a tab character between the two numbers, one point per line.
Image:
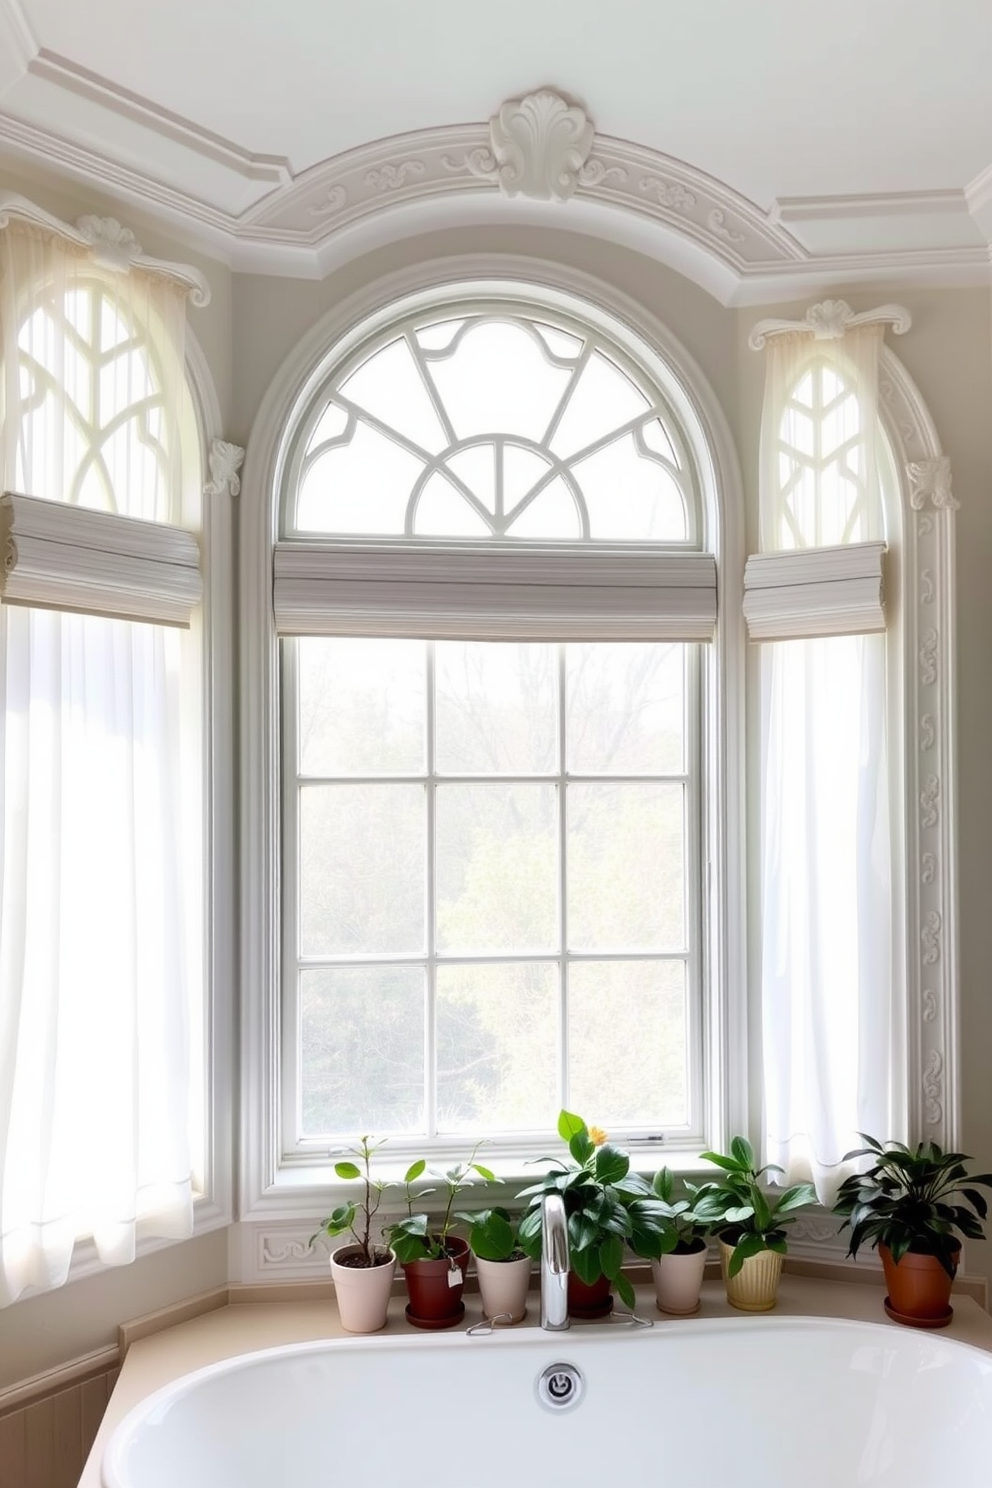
44	1443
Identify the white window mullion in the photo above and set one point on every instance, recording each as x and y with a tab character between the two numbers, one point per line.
563	947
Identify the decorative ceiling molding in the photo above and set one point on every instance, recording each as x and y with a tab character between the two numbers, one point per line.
538	154
829	321
225	463
110	244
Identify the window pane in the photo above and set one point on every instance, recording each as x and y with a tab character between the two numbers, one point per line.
625	867
362	868
362	706
630	496
496	868
497	708
362	1048
627	1042
626	709
497	1036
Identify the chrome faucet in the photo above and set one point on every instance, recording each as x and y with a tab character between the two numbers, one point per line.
554	1264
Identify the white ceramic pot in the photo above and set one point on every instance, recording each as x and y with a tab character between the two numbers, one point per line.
755	1287
362	1291
677	1281
504	1285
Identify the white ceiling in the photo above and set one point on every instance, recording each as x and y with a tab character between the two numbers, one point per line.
213	109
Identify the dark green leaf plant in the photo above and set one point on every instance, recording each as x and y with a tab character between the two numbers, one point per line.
905	1201
343	1219
493	1235
600	1194
740	1211
668	1225
418	1237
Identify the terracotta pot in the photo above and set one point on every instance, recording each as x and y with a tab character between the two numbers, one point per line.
592	1301
434	1301
504	1285
755	1287
678	1278
919	1289
362	1292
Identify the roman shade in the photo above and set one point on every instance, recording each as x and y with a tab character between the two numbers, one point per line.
815	592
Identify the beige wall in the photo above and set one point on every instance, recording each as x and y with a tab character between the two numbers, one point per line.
253	324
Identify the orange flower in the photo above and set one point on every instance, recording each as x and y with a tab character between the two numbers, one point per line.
597	1135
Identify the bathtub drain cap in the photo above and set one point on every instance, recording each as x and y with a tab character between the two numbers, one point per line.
560	1386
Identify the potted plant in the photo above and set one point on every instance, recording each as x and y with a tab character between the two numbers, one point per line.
749	1224
433	1258
362	1271
905	1205
503	1266
674	1239
598	1191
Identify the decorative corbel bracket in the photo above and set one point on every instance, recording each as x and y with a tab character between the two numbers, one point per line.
225	463
538	145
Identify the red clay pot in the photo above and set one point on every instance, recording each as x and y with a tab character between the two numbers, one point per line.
919	1288
589	1301
433	1303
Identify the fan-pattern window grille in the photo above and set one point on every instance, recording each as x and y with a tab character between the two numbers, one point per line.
494	426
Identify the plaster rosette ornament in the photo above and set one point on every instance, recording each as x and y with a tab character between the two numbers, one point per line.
538	146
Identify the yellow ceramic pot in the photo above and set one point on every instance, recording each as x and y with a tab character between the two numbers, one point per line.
755	1287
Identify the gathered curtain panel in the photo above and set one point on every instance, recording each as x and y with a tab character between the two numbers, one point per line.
827	946
99	958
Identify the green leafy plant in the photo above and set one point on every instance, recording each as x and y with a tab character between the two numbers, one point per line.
740	1211
603	1205
342	1219
493	1235
904	1200
416	1237
670	1225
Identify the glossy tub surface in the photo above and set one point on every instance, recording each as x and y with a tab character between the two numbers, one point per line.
753	1402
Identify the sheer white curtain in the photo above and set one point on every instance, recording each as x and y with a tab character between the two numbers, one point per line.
99	932
826	855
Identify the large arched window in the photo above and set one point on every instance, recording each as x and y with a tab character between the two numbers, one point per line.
496	591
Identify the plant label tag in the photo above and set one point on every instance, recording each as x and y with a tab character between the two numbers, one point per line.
454	1276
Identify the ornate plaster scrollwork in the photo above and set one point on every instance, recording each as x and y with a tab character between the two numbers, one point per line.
926	586
928	658
930	937
933	1088
928	731
816	1230
928	871
225	462
598	173
283	1255
113	245
930	802
392	177
827	321
717	221
539	145
334	200
670	194
929	1006
930	484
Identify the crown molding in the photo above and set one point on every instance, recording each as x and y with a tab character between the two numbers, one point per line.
539	159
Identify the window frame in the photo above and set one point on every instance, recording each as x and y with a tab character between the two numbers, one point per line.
269	1187
213	1206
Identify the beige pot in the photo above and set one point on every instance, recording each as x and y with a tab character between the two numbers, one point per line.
362	1292
504	1286
755	1287
677	1281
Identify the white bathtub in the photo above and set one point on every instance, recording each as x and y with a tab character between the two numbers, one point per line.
722	1403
